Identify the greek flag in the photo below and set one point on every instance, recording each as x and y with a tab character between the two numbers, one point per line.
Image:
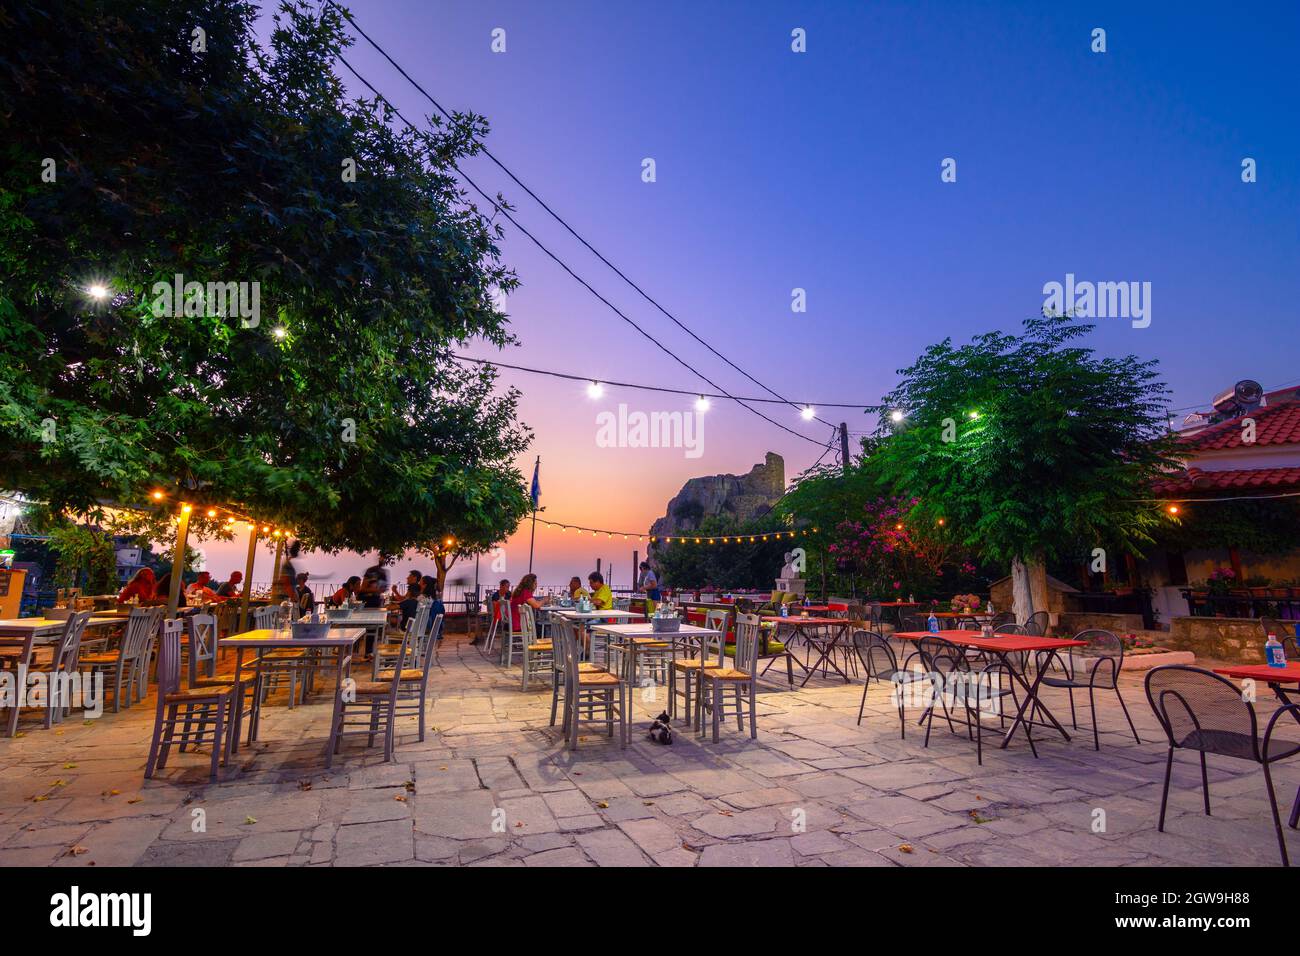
536	492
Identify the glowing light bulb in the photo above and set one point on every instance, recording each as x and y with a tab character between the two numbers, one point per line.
896	415
98	291
595	390
701	404
808	413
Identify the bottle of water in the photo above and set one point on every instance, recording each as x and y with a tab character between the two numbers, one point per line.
785	609
933	623
1274	652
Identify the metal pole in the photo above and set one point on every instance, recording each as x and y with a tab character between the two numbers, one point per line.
178	561
532	536
248	577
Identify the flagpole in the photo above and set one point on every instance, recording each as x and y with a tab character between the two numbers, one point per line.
532	536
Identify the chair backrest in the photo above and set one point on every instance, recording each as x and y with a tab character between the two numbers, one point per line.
527	623
266	618
1201	710
874	652
747	638
1107	651
1036	626
169	659
1005	617
202	632
712	647
421	616
940	656
1009	627
424	643
566	650
717	619
68	648
141	625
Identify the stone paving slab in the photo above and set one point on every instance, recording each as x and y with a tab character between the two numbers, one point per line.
492	785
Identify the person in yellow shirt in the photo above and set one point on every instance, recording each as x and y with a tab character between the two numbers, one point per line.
576	591
602	598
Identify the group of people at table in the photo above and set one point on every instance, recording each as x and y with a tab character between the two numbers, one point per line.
370	590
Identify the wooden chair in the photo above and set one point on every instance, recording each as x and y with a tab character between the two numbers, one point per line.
384	653
63	669
124	662
538	655
589	692
274	667
742	678
368	706
413	682
688	668
202	712
559	681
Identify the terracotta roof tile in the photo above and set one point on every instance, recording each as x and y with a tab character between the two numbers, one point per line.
1274	425
1195	480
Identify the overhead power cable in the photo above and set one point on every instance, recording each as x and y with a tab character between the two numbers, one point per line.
560	219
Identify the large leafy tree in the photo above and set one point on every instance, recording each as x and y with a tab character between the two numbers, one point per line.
144	139
1028	446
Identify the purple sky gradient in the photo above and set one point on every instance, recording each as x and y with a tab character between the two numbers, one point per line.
820	170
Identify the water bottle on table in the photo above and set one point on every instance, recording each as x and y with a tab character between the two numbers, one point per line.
1274	652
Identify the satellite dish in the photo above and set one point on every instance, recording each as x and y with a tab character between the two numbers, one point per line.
1248	392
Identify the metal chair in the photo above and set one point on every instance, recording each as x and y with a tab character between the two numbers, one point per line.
1207	713
1037	624
878	661
954	678
1107	654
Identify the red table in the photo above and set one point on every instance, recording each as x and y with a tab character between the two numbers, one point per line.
1004	646
825	646
1275	677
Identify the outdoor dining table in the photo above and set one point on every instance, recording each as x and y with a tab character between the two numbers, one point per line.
634	638
1276	677
14	630
824	640
1006	647
340	638
585	618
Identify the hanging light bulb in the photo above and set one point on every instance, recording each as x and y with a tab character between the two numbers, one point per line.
808	413
701	404
896	415
595	390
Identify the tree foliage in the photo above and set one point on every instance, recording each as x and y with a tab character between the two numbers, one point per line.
339	413
1028	446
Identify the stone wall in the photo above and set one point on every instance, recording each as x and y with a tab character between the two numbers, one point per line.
1072	622
1233	639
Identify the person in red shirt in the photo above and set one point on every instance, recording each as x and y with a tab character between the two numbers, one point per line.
523	594
141	585
349	590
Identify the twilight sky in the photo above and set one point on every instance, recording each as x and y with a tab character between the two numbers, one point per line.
778	170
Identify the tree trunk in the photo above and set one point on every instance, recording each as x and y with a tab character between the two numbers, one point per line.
1022	595
1038	583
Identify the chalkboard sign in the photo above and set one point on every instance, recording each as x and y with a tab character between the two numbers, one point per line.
5	577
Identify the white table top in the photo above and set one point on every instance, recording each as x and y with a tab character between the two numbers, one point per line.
264	637
40	625
647	630
576	615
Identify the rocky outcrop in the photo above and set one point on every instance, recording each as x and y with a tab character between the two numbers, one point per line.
736	498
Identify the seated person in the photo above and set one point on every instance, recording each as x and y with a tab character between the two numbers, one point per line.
602	598
305	598
413	579
576	591
141	586
349	590
523	594
230	588
200	590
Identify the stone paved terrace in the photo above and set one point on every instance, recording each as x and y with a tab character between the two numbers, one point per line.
75	796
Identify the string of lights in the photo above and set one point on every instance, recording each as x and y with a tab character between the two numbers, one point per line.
689	538
808	412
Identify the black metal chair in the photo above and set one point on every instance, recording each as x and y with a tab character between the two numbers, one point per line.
1207	713
1006	617
1037	624
953	677
878	661
1107	652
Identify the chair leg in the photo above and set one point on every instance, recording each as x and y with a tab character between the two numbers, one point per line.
1074	719
1164	796
1205	783
1092	704
753	710
863	706
217	738
625	730
1277	819
740	710
715	696
165	745
1124	707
